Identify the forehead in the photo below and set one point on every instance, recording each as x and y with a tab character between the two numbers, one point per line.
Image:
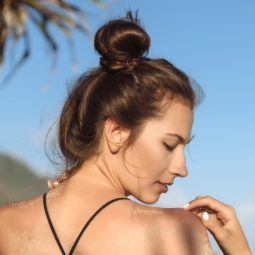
178	113
177	118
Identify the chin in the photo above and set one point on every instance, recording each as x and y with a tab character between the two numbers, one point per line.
149	199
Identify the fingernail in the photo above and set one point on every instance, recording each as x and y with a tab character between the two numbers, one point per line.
185	206
205	216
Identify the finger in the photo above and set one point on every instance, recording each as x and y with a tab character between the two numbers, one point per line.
203	209
223	212
193	199
201	212
212	223
209	202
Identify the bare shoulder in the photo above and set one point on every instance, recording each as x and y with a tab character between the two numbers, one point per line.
172	231
182	232
164	231
12	212
14	218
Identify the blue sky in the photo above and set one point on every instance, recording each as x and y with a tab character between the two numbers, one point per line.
212	41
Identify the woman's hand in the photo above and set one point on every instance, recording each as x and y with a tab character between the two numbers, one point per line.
221	220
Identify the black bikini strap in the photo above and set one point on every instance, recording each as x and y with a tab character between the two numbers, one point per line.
51	225
91	218
83	229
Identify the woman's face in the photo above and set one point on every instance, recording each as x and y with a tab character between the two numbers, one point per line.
158	153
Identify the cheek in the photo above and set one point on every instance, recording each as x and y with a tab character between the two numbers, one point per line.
147	158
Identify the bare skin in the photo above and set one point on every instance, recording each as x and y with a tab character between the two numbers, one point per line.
108	176
222	223
120	228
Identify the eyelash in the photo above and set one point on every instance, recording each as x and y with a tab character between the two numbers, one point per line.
168	148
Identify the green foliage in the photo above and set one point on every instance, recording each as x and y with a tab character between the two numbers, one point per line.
17	181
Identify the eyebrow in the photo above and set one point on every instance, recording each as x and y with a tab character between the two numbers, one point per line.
182	140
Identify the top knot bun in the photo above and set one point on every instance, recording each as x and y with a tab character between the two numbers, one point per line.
120	41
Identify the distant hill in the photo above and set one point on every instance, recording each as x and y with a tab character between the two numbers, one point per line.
18	181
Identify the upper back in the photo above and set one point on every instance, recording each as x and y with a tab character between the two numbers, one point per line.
120	228
124	227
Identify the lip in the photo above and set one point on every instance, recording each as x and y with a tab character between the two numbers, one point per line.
166	183
163	187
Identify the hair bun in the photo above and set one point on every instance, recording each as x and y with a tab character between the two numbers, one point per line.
121	42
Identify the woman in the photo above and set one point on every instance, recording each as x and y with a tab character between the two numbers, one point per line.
122	131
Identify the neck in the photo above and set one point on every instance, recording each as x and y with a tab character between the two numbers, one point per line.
94	180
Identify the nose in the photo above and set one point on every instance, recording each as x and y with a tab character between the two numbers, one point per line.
178	164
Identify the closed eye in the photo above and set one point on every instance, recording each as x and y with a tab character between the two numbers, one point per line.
168	148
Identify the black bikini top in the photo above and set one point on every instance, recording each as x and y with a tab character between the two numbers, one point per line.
83	229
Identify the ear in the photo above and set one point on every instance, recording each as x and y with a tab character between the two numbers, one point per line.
115	135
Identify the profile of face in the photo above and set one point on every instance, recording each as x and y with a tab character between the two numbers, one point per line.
157	155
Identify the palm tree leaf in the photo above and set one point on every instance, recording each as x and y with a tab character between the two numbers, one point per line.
55	16
20	62
42	26
100	3
14	15
3	38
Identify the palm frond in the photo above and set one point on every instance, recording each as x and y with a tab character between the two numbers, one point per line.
14	16
25	55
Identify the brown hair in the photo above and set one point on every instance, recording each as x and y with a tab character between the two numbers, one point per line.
127	87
